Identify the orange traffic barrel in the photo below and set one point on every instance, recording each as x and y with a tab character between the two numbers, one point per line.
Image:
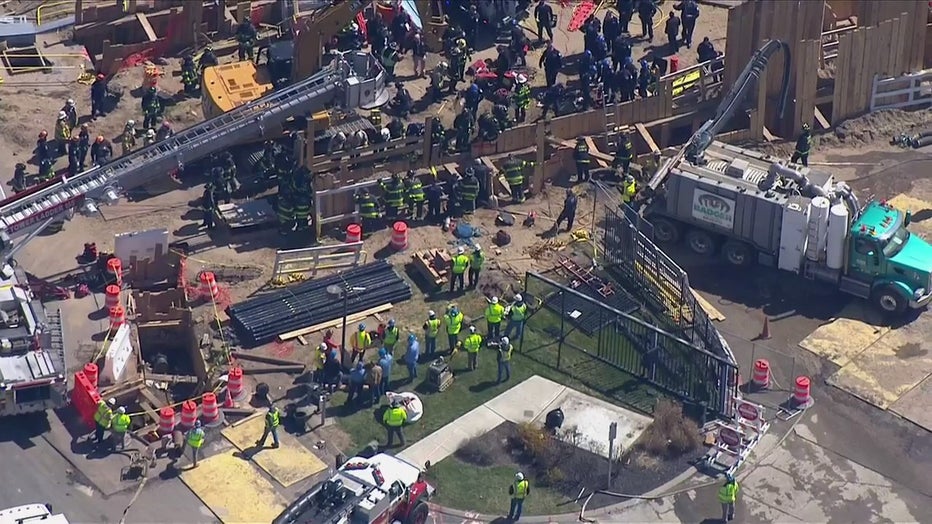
801	394
209	285
399	236
117	316
761	375
166	421
188	414
111	296
210	410
115	268
235	384
90	371
353	233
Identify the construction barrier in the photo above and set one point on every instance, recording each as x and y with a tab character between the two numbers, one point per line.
115	268
210	410
801	393
166	421
188	414
209	286
117	317
111	296
399	236
306	262
761	376
235	385
90	371
84	398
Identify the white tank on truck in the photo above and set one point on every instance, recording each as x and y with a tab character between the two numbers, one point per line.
752	209
31	514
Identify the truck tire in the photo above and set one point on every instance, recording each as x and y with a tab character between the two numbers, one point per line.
738	254
666	231
700	242
418	514
889	300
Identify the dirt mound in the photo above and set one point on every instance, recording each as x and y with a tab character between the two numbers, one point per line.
879	125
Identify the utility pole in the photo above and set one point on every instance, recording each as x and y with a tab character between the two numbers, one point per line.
612	434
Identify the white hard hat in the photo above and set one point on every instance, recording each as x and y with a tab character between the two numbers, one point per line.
460	250
495	300
477	247
354	27
443	64
150	132
121	410
522	78
322	347
472	329
62	115
385	132
505	340
112	402
70	102
431	313
518	297
130	122
519	476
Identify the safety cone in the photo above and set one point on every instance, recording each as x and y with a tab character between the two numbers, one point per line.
228	403
765	329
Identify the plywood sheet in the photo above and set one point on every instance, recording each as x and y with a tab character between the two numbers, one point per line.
233	489
290	463
914	405
844	338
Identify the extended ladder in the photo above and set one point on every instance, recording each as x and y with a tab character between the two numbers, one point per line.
56	338
586	276
244	123
611	127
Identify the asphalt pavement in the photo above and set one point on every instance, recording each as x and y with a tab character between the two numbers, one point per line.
32	471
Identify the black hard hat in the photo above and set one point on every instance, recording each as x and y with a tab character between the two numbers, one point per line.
20	166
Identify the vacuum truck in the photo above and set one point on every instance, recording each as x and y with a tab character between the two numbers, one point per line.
752	208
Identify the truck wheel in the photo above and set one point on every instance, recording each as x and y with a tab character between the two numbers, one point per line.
889	300
738	253
700	242
666	231
418	515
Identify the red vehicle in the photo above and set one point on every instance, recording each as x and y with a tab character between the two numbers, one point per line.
380	490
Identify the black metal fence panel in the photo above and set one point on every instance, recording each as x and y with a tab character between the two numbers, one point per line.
620	352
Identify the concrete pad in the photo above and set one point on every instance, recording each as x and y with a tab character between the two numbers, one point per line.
592	418
891	367
234	489
445	441
528	399
288	464
914	406
843	338
908	203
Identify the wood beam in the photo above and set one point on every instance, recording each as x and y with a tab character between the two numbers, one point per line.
147	27
820	118
646	136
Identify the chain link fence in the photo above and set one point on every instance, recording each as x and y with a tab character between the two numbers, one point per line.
619	354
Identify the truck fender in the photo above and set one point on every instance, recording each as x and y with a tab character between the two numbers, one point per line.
900	286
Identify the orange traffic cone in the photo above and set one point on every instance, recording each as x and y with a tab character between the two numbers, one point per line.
228	403
765	329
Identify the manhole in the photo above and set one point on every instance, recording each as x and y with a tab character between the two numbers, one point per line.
25	60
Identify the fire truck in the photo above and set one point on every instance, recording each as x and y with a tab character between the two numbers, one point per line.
379	490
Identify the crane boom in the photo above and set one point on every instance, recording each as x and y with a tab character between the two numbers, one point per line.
699	142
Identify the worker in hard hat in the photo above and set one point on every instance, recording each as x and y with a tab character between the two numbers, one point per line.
629	190
519	490
149	138
803	146
727	496
453	319
103	419
431	330
273	420
472	344
412	356
62	133
476	261
360	342
522	97
98	95
394	419
517	315
84	146
494	313
459	265
246	35
505	350
390	336
373	380
119	427
71	112
128	138
195	439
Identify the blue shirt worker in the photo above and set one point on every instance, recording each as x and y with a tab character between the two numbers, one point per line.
385	362
517	316
272	421
195	439
394	420
412	356
357	378
519	491
431	330
505	350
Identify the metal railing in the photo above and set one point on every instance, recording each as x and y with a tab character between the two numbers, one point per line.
52	10
619	355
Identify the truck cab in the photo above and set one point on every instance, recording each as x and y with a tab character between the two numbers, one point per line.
894	264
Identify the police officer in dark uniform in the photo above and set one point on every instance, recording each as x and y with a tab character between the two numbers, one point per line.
208	204
464	126
551	61
19	177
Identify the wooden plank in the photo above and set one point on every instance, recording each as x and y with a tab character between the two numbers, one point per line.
920	30
239	355
147	27
645	135
714	314
356	317
740	36
806	83
593	148
845	43
174	379
820	118
768	136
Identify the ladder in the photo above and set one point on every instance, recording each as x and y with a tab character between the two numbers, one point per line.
56	338
611	127
241	124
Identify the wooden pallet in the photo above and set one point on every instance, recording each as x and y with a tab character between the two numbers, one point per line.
249	215
433	265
